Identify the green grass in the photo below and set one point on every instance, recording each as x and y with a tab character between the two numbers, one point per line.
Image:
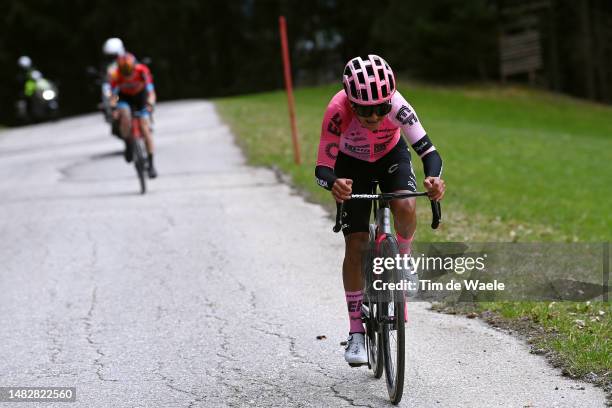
579	333
520	165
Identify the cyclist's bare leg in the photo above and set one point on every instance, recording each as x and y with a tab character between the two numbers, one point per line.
404	220
146	132
124	122
355	244
353	281
148	137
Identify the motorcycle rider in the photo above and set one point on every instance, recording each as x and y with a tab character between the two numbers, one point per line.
24	81
37	98
31	83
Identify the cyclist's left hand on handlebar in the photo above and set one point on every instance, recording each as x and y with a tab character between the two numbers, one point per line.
342	189
435	187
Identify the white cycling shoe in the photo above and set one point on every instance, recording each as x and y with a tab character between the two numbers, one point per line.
355	353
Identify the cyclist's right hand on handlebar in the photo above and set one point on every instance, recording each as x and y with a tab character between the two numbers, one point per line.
342	189
435	187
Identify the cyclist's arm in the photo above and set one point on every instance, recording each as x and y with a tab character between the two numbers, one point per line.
331	129
325	177
404	116
147	78
432	161
151	97
114	82
114	99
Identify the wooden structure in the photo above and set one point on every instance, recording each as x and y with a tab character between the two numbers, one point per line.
520	44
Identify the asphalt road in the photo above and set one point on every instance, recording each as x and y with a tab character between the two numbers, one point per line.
208	291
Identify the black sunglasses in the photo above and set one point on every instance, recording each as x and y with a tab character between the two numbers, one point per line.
367	110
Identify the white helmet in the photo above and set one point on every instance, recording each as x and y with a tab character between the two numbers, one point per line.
24	62
113	46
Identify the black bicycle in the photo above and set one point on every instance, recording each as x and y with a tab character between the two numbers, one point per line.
139	150
382	310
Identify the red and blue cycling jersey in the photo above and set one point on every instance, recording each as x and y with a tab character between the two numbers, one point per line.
140	80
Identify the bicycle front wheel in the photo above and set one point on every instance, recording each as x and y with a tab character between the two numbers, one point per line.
372	310
374	341
393	327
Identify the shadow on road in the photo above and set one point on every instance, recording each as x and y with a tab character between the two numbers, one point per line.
107	155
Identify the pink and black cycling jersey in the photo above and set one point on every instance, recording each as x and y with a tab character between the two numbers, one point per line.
342	131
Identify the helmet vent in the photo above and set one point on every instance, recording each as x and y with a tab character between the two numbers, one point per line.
353	90
361	78
374	90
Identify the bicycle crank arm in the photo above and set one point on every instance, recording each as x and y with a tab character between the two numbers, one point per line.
365	311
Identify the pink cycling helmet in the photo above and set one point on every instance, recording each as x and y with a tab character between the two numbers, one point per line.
368	81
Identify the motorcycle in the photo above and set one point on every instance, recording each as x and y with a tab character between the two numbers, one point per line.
41	103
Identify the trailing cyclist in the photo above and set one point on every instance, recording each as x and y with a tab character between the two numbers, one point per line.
361	142
134	94
111	50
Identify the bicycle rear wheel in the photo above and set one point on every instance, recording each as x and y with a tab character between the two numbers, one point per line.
393	327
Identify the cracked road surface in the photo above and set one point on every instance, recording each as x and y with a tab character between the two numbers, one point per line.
208	291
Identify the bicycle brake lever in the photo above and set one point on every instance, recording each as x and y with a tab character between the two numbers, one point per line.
339	210
436	212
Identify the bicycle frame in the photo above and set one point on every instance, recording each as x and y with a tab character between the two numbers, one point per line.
139	151
136	131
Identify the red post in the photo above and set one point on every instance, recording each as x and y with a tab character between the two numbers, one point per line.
289	86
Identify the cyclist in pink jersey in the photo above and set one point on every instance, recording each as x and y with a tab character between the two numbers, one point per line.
360	142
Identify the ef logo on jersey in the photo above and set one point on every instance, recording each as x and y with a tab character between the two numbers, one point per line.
334	124
406	116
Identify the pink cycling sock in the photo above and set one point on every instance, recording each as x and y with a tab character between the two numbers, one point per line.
353	301
405	244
